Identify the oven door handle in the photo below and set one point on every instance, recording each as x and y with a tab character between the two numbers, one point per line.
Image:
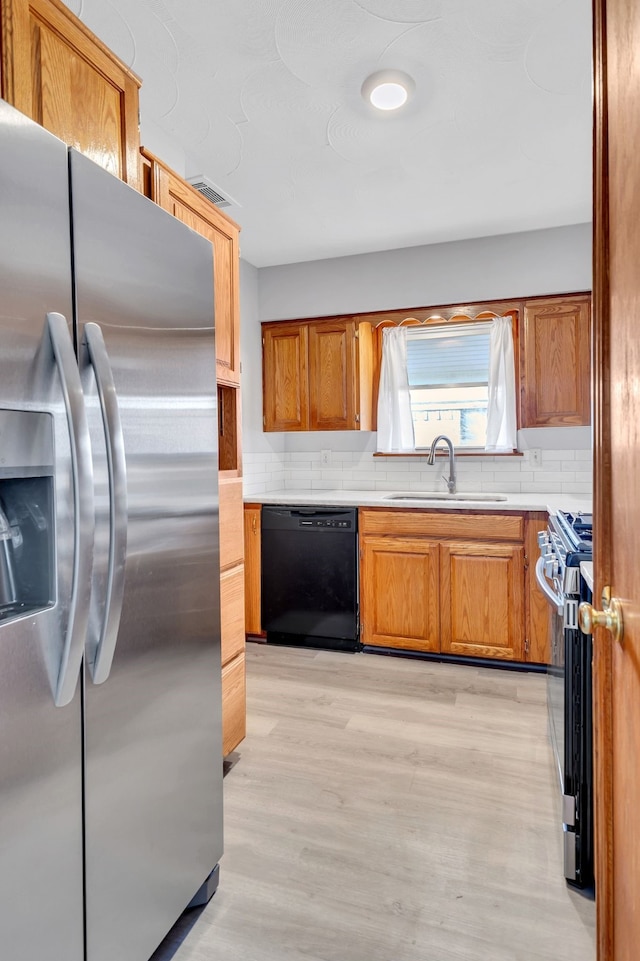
556	599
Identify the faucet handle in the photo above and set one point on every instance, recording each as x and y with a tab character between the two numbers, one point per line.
451	484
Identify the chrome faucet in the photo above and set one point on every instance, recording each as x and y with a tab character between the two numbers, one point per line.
451	480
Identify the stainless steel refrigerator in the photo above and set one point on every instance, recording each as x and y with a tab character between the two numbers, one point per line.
110	702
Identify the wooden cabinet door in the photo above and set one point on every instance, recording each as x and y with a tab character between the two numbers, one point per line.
172	193
538	610
234	704
482	599
332	376
556	352
58	73
399	602
232	633
285	377
252	549
231	522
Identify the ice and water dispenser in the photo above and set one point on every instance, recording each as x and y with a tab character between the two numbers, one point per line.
27	526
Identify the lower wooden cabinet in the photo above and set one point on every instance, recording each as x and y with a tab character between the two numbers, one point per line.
232	611
252	562
439	582
465	595
538	610
234	704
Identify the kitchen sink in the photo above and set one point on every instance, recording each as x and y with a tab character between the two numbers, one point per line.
443	496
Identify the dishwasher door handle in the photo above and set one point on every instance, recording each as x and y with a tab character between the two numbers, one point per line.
332	513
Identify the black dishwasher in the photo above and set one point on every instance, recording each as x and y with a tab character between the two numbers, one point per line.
310	576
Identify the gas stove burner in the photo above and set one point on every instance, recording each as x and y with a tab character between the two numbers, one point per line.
582	523
576	533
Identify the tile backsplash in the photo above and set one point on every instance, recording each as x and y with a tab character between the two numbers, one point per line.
560	471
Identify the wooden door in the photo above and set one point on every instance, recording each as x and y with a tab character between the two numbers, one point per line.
556	349
285	378
482	599
174	194
332	375
252	549
617	468
58	73
399	605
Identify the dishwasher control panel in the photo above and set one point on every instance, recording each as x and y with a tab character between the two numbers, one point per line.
324	522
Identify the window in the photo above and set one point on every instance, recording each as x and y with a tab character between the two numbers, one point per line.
455	379
448	373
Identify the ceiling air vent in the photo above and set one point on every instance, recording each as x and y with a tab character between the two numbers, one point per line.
213	193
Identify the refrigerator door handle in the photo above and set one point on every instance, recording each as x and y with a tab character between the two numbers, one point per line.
117	469
84	521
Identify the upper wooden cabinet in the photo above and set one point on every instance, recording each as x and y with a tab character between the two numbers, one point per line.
58	73
285	379
332	376
322	373
556	362
317	375
182	200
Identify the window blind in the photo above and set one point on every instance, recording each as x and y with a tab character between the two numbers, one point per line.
457	356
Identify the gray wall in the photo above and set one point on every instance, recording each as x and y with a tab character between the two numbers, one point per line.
550	261
254	441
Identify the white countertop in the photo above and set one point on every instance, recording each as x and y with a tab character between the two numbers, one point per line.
586	569
541	501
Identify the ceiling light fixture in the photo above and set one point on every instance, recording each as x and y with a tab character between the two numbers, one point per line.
388	89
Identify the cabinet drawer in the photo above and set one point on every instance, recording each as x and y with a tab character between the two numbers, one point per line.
496	527
232	613
234	707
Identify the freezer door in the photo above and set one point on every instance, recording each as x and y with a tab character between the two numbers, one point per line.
41	910
153	701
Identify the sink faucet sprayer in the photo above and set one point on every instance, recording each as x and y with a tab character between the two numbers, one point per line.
451	480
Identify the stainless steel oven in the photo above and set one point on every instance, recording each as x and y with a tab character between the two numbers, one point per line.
564	546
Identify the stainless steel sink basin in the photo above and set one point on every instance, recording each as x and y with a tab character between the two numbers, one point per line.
443	496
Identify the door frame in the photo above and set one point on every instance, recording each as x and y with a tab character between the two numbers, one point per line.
602	656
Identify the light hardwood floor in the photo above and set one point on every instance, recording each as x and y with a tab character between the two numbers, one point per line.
383	809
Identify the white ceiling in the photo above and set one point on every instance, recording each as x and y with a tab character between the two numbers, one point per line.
263	97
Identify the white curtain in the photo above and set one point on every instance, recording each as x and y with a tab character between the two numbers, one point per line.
501	410
395	424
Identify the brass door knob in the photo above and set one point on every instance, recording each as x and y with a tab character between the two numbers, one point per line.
610	617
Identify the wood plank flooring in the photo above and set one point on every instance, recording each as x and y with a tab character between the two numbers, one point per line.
384	809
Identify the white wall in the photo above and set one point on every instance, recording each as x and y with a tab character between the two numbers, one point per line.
525	264
161	144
